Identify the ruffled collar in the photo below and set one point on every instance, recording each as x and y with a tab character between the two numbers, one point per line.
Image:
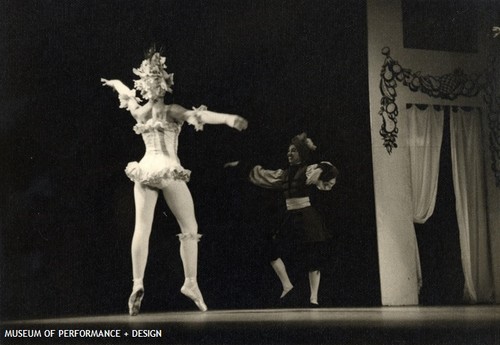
156	124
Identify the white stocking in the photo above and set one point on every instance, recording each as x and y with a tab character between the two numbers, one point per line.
314	279
280	269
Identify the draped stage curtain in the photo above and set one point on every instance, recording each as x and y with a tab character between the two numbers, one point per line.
425	137
471	207
425	133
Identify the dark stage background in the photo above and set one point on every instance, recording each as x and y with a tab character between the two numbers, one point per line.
67	211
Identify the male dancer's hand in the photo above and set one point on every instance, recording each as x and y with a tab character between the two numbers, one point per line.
231	164
496	31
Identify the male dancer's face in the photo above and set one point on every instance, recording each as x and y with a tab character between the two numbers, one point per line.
293	155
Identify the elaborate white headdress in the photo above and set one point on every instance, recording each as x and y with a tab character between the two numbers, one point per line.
155	80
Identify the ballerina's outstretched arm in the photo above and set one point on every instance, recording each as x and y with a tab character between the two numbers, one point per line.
128	100
200	116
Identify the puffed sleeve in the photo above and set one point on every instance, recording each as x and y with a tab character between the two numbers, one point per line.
127	97
322	175
128	101
196	119
271	179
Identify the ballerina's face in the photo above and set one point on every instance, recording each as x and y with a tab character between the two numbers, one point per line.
157	90
293	155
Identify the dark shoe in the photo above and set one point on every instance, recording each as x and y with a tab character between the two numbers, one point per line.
289	300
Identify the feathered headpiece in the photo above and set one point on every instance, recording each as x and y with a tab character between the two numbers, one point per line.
304	146
155	80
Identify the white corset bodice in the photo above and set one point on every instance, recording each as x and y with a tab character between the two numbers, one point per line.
160	137
160	164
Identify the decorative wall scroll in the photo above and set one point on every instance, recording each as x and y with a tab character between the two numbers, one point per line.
448	86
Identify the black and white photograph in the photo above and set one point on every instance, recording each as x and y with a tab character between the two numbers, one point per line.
250	172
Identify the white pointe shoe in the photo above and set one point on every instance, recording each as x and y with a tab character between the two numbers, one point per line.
134	301
194	293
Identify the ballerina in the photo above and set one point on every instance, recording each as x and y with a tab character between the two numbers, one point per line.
160	169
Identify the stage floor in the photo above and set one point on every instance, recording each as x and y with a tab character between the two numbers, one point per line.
384	325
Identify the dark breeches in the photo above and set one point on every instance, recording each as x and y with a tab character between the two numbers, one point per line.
301	236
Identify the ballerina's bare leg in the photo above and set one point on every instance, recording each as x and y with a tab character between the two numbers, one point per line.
180	202
145	200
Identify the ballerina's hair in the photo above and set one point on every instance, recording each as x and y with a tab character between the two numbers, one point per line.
148	54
